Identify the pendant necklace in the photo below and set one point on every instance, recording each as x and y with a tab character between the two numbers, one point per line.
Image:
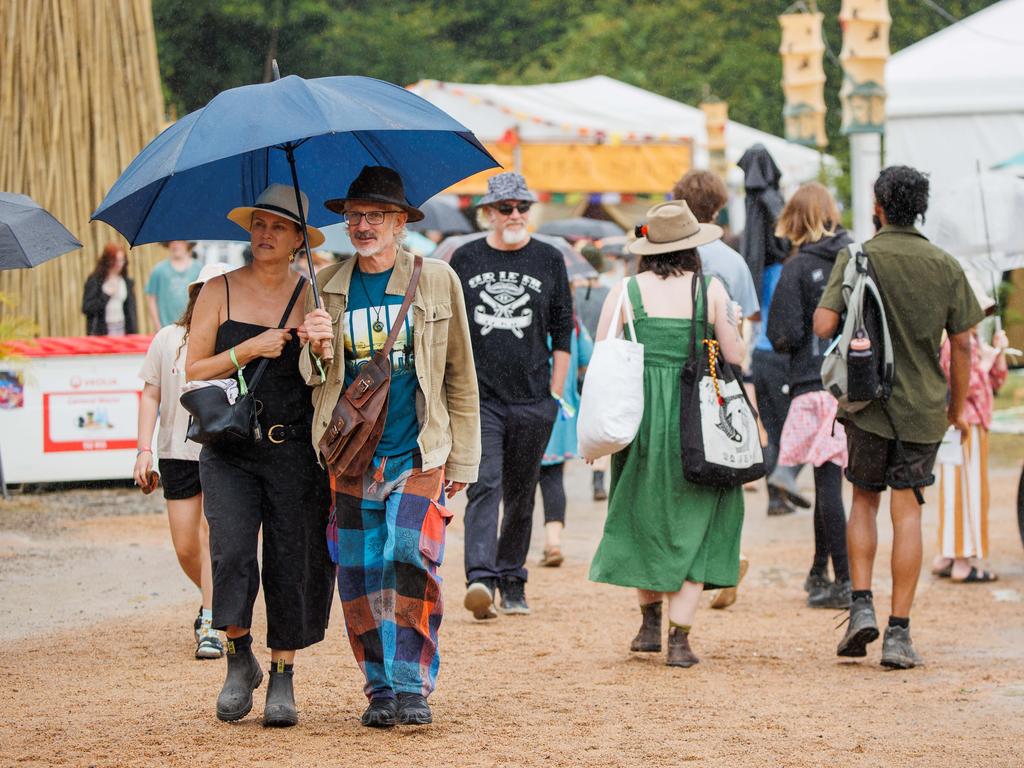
378	326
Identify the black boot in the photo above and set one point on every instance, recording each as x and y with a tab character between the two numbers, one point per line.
648	639
600	494
243	677
777	504
280	711
679	652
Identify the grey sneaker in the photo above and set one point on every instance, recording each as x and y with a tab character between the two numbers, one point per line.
861	630
898	651
480	600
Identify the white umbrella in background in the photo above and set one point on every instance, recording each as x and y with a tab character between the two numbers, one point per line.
980	220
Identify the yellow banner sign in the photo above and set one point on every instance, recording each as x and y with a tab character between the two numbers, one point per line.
627	168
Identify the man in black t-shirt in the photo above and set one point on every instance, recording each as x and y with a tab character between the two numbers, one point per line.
517	297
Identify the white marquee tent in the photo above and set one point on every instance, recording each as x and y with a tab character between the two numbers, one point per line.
554	112
956	98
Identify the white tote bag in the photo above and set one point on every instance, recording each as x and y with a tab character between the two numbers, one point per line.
612	402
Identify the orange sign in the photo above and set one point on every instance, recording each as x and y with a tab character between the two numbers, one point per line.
628	168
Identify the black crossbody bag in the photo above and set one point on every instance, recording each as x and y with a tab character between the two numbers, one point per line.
214	421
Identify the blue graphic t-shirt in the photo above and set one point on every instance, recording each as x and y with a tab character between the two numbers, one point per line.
368	320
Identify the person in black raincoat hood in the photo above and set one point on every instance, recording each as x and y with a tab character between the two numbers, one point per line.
764	254
759	245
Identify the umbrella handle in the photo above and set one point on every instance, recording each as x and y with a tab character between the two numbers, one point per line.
327	355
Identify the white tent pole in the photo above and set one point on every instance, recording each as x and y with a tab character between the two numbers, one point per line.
865	165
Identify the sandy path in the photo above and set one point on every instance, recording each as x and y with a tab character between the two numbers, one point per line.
557	688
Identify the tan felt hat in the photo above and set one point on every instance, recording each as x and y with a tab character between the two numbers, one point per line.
278	199
671	226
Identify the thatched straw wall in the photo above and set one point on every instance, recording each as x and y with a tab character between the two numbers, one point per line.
79	97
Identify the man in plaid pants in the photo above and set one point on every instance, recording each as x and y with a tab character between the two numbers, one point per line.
387	527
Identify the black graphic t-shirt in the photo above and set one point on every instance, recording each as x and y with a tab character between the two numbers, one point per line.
515	300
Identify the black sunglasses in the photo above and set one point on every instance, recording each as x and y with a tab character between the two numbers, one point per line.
506	210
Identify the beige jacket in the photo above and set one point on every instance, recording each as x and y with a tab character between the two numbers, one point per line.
447	402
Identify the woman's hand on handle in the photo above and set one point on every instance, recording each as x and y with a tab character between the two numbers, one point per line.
269	344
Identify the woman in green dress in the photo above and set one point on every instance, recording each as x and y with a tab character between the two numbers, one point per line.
665	535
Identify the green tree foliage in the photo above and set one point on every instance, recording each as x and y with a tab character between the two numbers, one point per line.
681	49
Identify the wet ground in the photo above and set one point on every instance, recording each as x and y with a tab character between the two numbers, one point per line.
98	669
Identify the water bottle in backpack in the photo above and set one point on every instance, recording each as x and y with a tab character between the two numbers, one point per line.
861	369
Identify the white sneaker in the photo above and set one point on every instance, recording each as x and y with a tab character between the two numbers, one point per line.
480	600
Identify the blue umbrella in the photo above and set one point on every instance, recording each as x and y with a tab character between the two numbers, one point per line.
29	234
321	131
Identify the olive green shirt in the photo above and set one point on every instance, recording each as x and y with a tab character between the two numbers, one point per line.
924	291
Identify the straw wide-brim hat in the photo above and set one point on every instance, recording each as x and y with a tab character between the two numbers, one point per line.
278	199
671	226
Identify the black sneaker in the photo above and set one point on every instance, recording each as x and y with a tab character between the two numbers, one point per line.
815	581
898	650
382	712
836	596
777	504
413	710
513	597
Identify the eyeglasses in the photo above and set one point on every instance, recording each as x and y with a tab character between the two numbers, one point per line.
352	218
506	210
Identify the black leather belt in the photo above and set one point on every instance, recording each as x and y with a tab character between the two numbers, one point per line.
282	433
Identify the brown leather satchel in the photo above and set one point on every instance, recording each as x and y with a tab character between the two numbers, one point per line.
357	421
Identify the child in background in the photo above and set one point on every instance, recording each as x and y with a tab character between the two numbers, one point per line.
963	469
562	446
163	372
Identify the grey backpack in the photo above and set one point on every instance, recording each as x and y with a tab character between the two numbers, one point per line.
856	377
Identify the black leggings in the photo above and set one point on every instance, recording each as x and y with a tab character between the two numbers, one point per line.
830	522
552	493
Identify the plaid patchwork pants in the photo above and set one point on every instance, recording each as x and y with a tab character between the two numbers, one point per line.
386	533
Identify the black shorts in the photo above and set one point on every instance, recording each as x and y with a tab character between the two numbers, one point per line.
875	464
180	479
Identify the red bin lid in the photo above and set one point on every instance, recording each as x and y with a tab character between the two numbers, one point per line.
64	346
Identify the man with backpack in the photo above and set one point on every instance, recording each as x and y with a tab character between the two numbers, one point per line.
893	434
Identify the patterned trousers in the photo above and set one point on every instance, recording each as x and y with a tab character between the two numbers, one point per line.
386	533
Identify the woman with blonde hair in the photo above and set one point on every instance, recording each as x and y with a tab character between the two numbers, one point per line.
271	488
811	435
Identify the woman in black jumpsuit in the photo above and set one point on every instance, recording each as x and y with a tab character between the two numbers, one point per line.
275	483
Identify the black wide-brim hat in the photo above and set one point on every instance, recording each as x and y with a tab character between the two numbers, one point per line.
378	184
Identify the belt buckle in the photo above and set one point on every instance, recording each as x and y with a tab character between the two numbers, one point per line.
270	434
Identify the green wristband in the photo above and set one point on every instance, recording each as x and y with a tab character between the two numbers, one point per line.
241	378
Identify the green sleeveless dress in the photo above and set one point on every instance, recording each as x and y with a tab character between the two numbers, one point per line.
661	529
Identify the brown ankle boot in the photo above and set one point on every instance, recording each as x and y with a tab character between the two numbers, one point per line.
648	639
679	653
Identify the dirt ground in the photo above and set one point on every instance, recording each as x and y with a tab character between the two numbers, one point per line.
98	670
